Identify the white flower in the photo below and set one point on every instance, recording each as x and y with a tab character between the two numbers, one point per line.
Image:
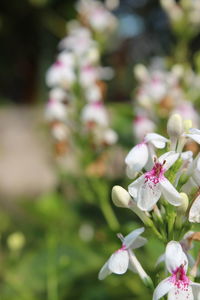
178	286
149	187
194	214
110	136
95	112
186	244
194	134
58	94
61	73
121	260
140	155
55	110
193	173
93	93
88	75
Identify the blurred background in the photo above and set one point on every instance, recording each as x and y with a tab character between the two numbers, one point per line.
58	227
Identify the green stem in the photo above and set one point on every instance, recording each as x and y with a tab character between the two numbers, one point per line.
109	214
52	280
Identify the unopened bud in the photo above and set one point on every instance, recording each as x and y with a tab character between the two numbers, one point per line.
175	126
140	72
184	205
120	196
187	124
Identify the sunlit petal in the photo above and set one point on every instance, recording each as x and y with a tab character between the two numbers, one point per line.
137	157
163	288
118	262
169	192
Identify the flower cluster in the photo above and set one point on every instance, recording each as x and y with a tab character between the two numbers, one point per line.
76	80
183	12
165	196
160	93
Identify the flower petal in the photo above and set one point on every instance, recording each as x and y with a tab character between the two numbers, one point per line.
137	157
104	272
163	288
169	158
134	186
169	192
118	262
194	214
147	196
196	290
131	173
181	294
131	237
139	242
194	137
157	140
174	256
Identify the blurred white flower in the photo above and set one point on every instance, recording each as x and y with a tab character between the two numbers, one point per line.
95	112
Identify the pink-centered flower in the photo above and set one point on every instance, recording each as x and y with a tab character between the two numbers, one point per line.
148	188
178	286
123	258
141	155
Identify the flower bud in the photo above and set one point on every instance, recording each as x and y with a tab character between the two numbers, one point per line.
120	196
140	72
184	205
175	126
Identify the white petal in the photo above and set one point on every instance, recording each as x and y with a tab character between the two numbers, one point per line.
131	237
169	158
130	172
194	137
118	262
196	290
163	288
175	257
157	140
194	214
104	272
137	157
187	155
139	242
194	131
198	163
134	186
181	294
169	192
189	185
148	194
150	163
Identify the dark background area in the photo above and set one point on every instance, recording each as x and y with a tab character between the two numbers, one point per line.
31	29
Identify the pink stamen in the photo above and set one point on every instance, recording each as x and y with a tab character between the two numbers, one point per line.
179	278
156	174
